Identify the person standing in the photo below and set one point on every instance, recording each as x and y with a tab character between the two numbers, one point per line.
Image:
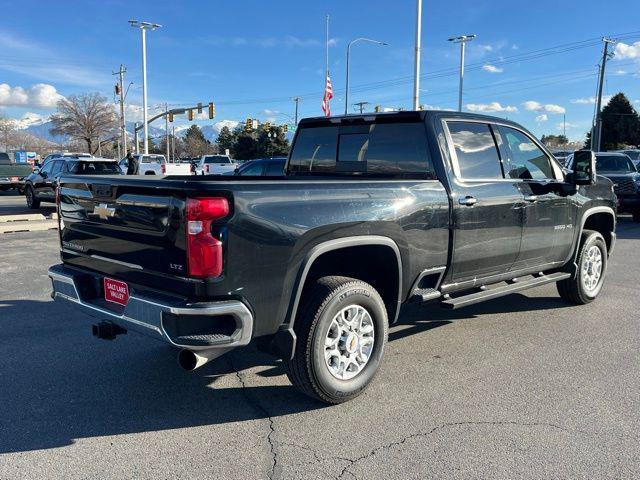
132	165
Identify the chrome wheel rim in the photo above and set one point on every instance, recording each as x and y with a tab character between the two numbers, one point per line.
349	342
29	197
592	268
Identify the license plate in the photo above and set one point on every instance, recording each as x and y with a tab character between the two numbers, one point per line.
116	291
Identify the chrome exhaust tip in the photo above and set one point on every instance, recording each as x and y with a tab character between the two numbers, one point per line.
191	360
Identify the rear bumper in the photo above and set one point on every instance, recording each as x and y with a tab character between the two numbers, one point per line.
202	326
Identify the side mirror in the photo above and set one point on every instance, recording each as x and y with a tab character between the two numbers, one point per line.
584	168
36	170
43	174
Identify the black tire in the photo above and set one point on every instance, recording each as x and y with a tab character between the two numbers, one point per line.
32	200
573	289
308	369
636	215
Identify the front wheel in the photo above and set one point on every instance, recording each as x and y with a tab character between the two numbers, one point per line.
341	336
32	200
585	285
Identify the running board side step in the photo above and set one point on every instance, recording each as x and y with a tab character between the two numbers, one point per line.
470	299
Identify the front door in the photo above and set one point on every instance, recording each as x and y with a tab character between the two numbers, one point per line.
487	207
548	217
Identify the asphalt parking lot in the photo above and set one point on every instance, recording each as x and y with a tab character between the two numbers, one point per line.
12	203
520	387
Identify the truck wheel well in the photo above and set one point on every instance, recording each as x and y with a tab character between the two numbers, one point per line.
601	222
375	264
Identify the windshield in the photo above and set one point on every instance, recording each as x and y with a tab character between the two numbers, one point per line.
614	163
94	168
217	159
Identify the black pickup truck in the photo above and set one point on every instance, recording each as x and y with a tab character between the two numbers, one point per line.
374	211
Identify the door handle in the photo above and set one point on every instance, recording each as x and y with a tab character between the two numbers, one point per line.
530	198
468	201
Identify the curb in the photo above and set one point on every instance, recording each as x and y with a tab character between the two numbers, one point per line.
31	222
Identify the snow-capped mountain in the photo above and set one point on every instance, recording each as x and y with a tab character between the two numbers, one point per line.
40	126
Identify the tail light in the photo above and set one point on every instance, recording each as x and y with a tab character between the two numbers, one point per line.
204	251
163	167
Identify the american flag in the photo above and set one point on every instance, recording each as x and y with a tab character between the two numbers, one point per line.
328	95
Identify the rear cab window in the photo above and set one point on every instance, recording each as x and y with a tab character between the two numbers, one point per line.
217	159
377	149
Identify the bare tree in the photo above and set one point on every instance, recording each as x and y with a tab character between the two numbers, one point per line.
86	117
7	129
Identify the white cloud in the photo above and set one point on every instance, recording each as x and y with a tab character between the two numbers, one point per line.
624	51
542	118
269	112
492	68
490	107
561	126
590	100
40	95
534	106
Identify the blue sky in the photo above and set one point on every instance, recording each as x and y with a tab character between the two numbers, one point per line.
250	57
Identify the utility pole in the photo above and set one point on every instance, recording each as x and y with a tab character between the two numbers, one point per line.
135	129
166	130
173	141
144	26
462	40
361	105
123	128
416	61
296	100
596	133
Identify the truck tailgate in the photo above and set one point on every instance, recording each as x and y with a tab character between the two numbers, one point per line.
133	226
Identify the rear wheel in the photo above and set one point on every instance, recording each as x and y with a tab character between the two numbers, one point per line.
32	200
585	285
341	336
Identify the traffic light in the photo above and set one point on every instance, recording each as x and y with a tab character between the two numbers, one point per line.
267	126
212	110
199	108
378	109
285	128
248	126
190	115
171	116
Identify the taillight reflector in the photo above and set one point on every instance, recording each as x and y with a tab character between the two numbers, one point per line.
204	251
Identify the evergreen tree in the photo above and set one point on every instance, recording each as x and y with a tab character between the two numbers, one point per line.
225	139
273	143
620	124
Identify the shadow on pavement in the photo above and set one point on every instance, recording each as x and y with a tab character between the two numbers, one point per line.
58	384
627	229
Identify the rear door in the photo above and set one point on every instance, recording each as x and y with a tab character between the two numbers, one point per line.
548	215
487	207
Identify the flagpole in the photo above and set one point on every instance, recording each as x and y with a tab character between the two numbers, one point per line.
327	50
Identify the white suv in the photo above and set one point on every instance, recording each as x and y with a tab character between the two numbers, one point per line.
148	164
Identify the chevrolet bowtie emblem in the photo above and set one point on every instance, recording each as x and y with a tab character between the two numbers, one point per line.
104	211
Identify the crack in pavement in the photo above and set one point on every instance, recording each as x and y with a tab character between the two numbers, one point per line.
263	411
396	443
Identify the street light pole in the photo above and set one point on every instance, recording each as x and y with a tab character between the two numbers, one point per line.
462	40
144	26
346	94
416	60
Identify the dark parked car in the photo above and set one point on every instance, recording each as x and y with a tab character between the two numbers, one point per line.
263	167
619	168
374	211
41	185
